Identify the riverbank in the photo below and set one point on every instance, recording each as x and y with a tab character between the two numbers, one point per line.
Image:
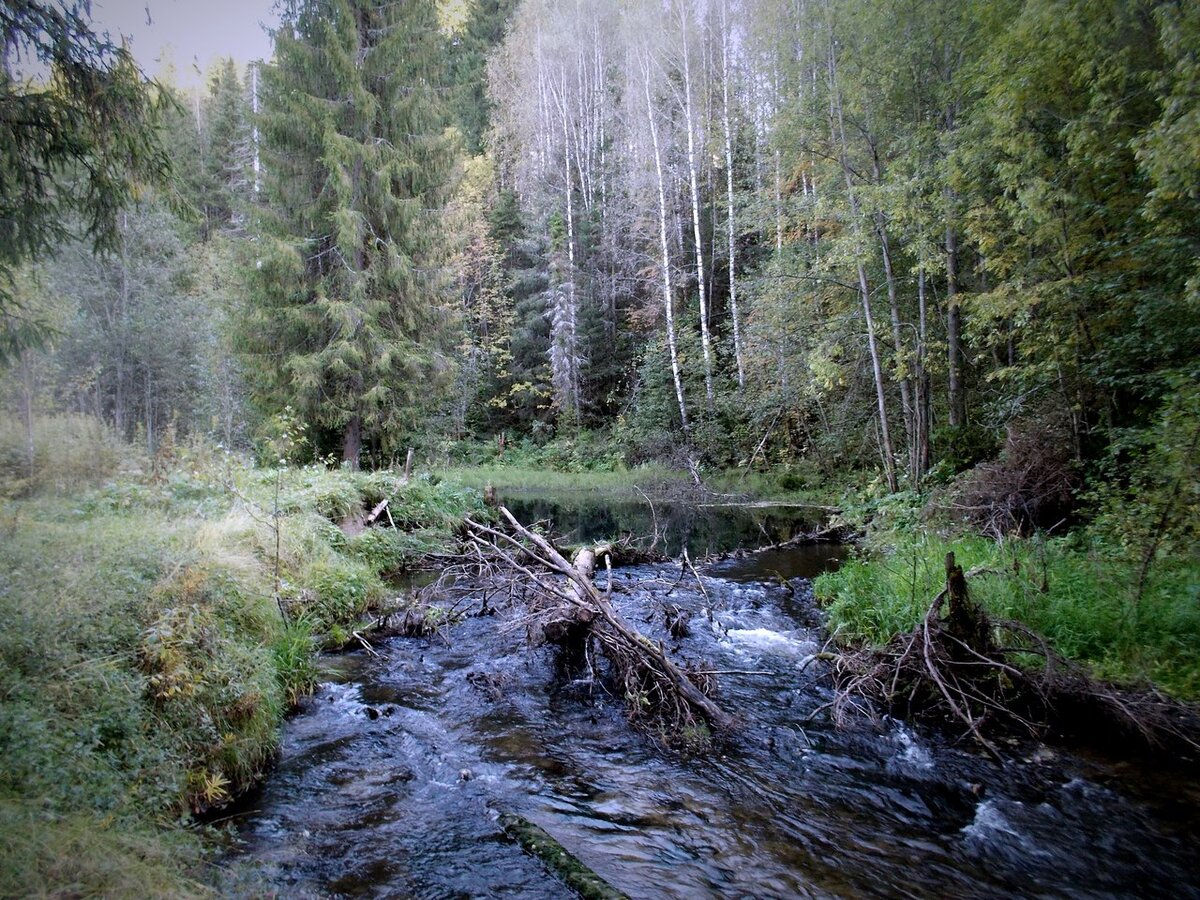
1078	592
1085	635
159	622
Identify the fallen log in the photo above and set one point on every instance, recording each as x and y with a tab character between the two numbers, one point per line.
536	841
379	507
651	681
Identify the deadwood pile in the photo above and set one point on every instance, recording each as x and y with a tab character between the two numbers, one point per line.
566	607
998	677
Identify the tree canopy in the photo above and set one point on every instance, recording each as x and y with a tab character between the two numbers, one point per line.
75	149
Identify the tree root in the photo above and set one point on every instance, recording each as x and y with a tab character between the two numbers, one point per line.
996	677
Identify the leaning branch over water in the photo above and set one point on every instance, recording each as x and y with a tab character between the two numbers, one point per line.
570	610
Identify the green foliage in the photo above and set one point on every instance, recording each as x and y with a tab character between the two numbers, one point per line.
343	313
91	855
81	146
70	452
1079	592
144	664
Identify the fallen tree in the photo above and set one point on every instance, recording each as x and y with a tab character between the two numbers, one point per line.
996	676
568	609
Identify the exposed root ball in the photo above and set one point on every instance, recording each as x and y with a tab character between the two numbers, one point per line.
988	676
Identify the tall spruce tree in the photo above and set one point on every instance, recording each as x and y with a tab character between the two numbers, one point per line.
357	160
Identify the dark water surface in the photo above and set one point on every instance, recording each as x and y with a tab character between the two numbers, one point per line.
393	776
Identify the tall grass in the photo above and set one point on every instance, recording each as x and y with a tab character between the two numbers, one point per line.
523	477
69	451
1078	591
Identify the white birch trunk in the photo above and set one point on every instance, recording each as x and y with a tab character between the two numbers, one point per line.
694	183
729	206
668	305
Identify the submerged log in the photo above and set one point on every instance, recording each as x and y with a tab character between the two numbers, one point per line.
558	859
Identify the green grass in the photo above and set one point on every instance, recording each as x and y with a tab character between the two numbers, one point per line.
519	477
145	666
1077	591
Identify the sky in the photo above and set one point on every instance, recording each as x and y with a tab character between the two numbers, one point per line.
189	33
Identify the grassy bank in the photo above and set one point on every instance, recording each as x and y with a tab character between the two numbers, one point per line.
145	665
1079	591
526	477
595	461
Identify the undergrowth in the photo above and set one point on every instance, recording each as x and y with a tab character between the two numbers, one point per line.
145	665
1078	591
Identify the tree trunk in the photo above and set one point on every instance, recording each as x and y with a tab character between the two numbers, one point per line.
27	408
571	386
729	207
668	304
885	435
694	184
958	405
906	402
921	381
352	442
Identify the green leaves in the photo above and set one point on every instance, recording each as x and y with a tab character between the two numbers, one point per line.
357	166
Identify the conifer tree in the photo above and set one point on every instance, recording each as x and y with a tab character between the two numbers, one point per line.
357	162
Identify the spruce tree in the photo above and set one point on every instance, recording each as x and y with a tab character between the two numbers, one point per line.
357	161
224	164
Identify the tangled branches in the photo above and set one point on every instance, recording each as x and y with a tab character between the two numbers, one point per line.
990	676
567	608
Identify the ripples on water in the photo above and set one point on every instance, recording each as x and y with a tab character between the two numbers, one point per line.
392	777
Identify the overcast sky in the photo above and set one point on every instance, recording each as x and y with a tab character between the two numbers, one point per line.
189	33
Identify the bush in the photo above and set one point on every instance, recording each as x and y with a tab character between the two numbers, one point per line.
1032	485
70	451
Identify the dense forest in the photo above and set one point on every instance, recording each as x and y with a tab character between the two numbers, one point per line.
831	235
933	267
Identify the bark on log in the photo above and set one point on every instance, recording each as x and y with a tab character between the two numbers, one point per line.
584	595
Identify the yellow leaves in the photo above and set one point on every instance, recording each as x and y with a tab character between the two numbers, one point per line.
207	788
453	15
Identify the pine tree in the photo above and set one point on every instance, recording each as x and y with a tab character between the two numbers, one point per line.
76	151
357	162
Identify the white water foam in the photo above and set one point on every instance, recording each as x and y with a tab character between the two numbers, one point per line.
911	750
766	641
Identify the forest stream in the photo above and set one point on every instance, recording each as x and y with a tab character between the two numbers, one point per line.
394	775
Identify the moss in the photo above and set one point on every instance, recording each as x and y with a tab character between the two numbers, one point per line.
558	859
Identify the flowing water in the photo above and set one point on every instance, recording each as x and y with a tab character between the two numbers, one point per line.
393	776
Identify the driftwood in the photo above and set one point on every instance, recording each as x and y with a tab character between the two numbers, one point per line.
571	610
995	676
379	507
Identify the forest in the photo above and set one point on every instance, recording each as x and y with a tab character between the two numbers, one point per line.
931	268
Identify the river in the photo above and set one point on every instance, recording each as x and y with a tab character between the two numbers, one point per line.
392	777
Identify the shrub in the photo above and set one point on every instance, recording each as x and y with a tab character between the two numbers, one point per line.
70	451
1031	485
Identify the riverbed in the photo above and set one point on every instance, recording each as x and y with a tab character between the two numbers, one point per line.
393	776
